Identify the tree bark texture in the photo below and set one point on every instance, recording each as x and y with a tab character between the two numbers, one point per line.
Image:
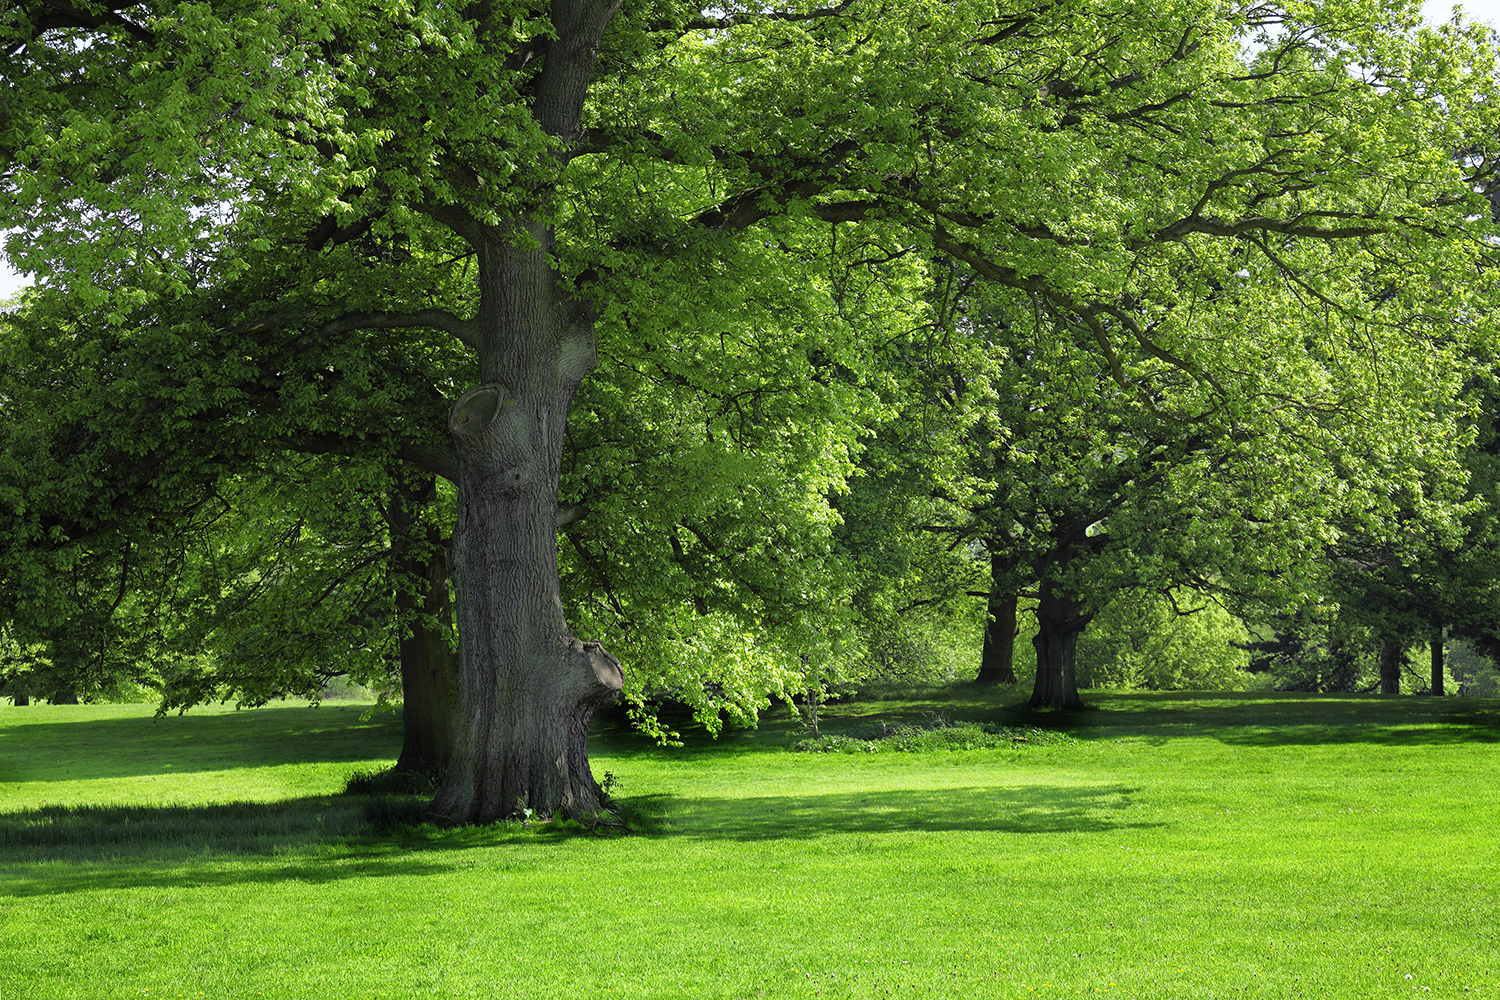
528	688
1436	644
429	663
1060	619
1390	667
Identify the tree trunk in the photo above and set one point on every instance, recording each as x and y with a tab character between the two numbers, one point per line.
1437	662
1059	620
21	700
528	688
429	663
997	663
1390	667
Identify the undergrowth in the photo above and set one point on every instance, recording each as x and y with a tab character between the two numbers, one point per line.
938	733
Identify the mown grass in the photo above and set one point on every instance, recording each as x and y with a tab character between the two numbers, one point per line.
1162	845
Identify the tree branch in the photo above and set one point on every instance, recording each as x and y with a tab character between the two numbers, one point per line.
70	15
440	319
729	21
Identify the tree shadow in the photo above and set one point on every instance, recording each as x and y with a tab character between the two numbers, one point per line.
1023	809
56	850
1266	719
59	750
61	849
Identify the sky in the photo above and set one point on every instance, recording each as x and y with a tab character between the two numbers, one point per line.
1436	10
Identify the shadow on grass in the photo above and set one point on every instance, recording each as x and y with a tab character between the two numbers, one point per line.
64	750
320	839
1026	809
1257	718
336	838
144	832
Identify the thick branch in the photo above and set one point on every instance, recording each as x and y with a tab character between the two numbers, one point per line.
749	207
729	21
1211	226
438	459
63	13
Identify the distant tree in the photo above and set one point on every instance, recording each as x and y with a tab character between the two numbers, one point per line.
1166	643
1079	482
363	191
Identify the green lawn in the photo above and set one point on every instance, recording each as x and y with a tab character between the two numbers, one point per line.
1175	845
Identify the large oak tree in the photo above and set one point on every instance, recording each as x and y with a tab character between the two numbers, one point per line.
384	183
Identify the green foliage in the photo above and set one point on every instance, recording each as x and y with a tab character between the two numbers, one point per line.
1209	241
754	402
289	588
1146	640
1315	648
1476	675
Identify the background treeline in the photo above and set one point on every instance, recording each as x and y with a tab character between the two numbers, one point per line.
1050	347
756	518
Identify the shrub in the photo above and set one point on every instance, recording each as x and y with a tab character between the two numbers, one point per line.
939	734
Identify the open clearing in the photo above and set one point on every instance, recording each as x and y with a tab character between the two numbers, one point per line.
1175	845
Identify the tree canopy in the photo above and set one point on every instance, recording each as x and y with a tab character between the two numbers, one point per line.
409	230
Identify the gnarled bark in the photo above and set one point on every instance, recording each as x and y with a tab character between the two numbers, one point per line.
528	688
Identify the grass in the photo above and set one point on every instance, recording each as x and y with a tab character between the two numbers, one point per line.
1161	845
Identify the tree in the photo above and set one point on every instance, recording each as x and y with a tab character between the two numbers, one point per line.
1436	565
239	176
1146	640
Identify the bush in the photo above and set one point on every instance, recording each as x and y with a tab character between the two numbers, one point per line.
393	782
940	734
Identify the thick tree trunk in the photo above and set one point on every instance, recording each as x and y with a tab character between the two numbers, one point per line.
429	663
1059	620
528	688
1437	662
997	664
21	700
1390	667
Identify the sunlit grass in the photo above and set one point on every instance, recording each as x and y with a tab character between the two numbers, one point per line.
1207	845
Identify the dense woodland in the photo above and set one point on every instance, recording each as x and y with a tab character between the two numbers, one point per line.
768	350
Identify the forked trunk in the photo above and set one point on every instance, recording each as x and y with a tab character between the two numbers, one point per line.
528	688
429	662
1060	618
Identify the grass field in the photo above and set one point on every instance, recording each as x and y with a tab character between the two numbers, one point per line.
1169	846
